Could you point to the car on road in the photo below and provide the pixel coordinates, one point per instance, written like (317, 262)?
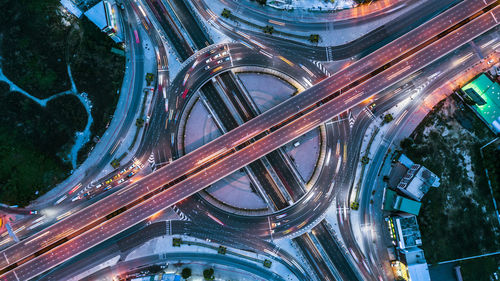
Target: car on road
(219, 61)
(280, 216)
(207, 67)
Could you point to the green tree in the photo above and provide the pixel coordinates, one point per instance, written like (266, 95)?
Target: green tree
(226, 13)
(364, 160)
(268, 29)
(139, 122)
(208, 274)
(186, 273)
(388, 118)
(314, 38)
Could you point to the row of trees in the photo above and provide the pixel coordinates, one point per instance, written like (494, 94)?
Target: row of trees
(268, 29)
(208, 273)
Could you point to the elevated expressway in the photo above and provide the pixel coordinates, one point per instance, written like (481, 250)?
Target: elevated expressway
(221, 157)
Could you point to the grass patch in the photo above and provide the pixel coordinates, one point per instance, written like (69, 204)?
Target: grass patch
(461, 208)
(38, 40)
(25, 169)
(34, 142)
(33, 46)
(97, 71)
(480, 269)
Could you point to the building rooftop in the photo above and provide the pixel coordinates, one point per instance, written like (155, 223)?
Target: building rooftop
(487, 92)
(72, 8)
(407, 205)
(417, 181)
(407, 232)
(419, 272)
(395, 202)
(97, 15)
(403, 159)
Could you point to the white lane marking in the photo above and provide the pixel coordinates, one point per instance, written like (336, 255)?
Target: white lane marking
(15, 274)
(494, 17)
(8, 262)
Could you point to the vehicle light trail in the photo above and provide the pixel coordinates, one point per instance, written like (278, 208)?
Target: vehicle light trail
(177, 180)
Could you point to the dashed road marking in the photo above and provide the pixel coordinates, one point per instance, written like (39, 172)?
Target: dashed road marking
(8, 262)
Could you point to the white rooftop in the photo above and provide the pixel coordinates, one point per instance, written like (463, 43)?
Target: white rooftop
(419, 272)
(71, 7)
(97, 15)
(421, 183)
(403, 159)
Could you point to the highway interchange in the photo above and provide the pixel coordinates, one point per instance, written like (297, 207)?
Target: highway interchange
(321, 98)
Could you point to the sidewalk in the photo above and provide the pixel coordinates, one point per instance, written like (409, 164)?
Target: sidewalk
(331, 34)
(164, 244)
(149, 66)
(326, 16)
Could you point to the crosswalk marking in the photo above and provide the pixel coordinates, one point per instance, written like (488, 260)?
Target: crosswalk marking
(329, 53)
(169, 228)
(179, 213)
(151, 159)
(369, 112)
(322, 68)
(351, 119)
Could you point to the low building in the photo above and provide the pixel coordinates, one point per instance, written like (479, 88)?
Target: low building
(72, 8)
(405, 161)
(416, 264)
(417, 181)
(397, 203)
(404, 231)
(410, 263)
(482, 94)
(103, 14)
